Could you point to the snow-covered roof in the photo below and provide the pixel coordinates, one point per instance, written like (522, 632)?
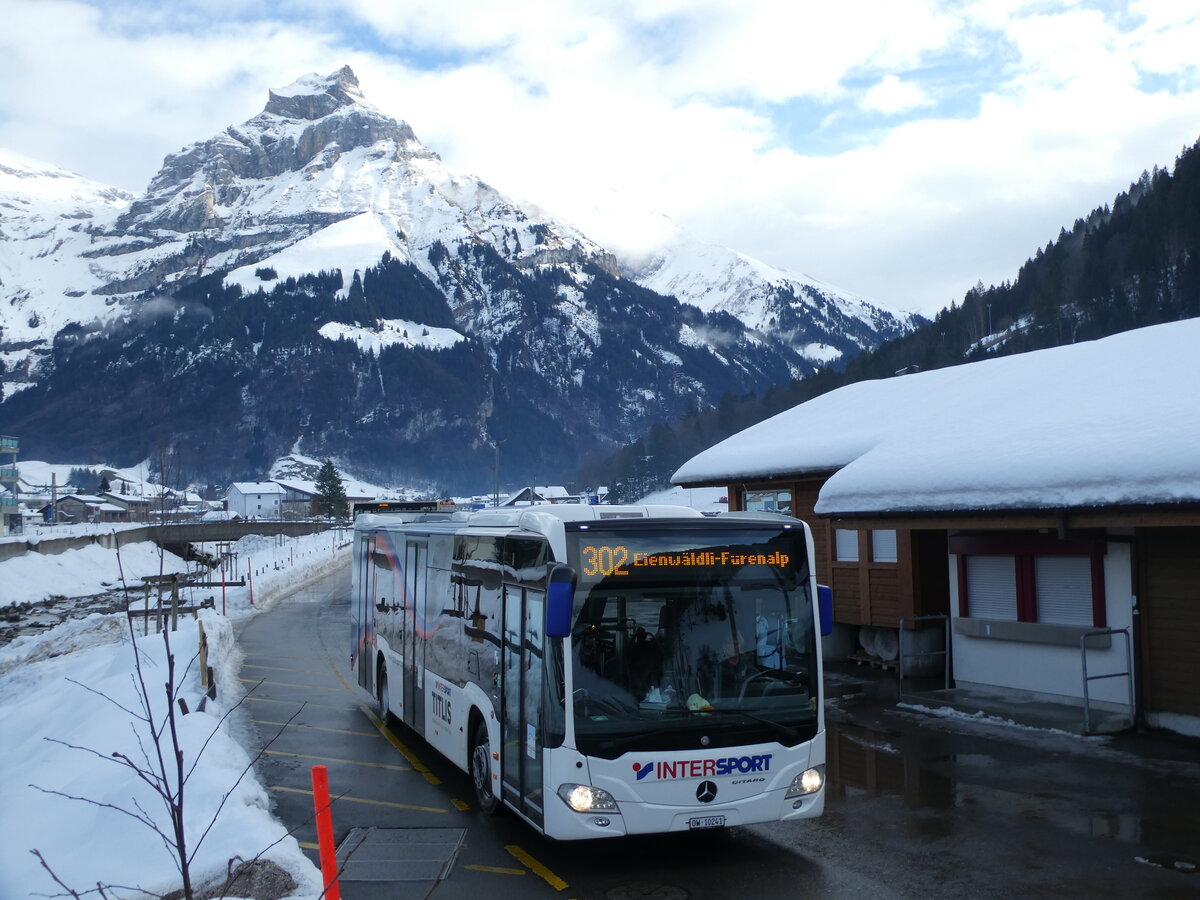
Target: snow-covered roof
(1108, 422)
(256, 487)
(354, 490)
(98, 504)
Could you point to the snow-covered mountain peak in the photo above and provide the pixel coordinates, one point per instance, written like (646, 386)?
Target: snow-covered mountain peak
(314, 97)
(320, 249)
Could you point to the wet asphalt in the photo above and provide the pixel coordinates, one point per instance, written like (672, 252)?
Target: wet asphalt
(918, 806)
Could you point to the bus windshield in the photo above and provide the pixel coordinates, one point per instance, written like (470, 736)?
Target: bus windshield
(697, 634)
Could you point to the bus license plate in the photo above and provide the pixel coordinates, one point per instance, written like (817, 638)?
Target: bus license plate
(707, 822)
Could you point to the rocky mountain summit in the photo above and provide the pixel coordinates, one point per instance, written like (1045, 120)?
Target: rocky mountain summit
(316, 277)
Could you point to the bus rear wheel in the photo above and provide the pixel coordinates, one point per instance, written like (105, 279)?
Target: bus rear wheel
(481, 769)
(384, 715)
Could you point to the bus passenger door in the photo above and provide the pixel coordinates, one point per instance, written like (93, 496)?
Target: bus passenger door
(363, 652)
(522, 739)
(413, 641)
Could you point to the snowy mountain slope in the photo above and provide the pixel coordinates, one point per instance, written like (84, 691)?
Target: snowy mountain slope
(322, 279)
(765, 298)
(48, 218)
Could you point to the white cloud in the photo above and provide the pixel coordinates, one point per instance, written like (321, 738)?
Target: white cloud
(890, 95)
(756, 124)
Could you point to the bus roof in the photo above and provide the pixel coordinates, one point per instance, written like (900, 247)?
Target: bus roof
(548, 519)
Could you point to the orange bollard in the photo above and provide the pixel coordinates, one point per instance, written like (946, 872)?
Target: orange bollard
(329, 871)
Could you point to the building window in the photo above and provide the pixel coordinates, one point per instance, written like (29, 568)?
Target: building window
(883, 546)
(1031, 580)
(846, 545)
(1064, 589)
(992, 587)
(769, 501)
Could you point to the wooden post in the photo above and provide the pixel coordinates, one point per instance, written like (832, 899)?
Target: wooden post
(203, 655)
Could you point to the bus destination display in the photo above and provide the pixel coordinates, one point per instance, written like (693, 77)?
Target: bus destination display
(605, 560)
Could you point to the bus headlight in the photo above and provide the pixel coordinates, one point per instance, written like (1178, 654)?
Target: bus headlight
(585, 798)
(807, 782)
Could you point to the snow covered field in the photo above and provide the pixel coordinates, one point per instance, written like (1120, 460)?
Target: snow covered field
(34, 577)
(74, 685)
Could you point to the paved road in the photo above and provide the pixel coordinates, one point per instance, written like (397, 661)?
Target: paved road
(917, 807)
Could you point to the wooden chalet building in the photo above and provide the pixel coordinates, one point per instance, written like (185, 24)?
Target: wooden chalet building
(1041, 502)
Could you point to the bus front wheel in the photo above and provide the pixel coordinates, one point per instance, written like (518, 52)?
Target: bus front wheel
(481, 768)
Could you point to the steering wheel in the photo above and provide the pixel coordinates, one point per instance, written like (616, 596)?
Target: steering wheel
(792, 678)
(584, 696)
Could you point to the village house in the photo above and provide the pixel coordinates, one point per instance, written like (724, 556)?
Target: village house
(137, 507)
(85, 508)
(539, 494)
(255, 499)
(1046, 504)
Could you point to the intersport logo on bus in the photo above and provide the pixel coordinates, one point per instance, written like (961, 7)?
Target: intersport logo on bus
(702, 768)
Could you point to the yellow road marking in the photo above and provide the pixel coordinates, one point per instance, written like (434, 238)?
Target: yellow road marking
(404, 751)
(311, 687)
(536, 867)
(316, 728)
(338, 759)
(386, 732)
(296, 703)
(272, 668)
(305, 845)
(348, 799)
(497, 870)
(460, 805)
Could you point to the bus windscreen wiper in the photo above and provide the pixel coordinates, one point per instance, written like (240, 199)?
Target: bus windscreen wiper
(618, 743)
(787, 731)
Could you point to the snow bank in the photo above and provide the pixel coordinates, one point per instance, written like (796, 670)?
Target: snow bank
(77, 698)
(53, 690)
(33, 577)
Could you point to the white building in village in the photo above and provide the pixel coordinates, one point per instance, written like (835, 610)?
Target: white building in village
(255, 499)
(1032, 500)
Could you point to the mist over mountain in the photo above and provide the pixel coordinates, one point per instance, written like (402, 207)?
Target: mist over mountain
(1127, 264)
(315, 279)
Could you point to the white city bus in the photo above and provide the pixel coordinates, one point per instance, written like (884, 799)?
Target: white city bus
(602, 670)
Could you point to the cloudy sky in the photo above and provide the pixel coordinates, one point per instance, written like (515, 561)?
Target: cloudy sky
(901, 149)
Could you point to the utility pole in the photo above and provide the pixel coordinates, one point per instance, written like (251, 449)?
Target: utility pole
(496, 476)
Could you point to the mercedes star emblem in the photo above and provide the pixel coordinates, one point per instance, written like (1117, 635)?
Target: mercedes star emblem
(707, 792)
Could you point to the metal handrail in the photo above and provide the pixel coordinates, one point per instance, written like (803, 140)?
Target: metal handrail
(1127, 674)
(945, 652)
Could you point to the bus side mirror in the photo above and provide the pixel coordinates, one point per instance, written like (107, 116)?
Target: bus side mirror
(825, 606)
(560, 597)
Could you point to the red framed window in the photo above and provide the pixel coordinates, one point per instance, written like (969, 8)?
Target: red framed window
(1031, 579)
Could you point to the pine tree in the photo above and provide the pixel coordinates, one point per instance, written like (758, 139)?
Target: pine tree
(331, 494)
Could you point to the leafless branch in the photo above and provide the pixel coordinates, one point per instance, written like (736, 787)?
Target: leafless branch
(101, 694)
(226, 715)
(147, 822)
(250, 765)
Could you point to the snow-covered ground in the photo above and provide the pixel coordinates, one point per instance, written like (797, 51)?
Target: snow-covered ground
(74, 685)
(33, 577)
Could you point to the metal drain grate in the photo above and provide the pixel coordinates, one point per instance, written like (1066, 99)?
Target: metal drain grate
(399, 854)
